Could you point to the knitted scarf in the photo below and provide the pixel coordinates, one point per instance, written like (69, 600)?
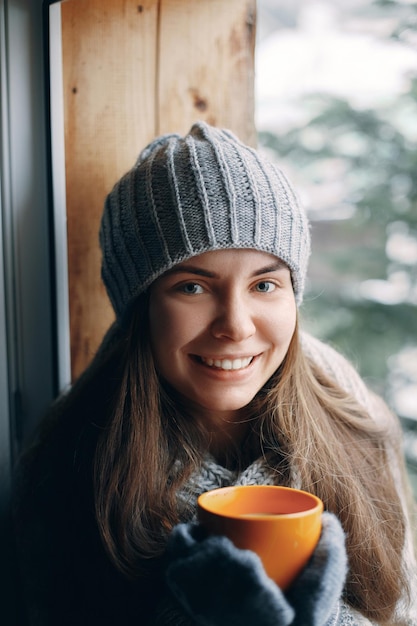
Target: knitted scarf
(212, 476)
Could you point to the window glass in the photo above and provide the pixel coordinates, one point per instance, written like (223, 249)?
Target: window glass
(336, 105)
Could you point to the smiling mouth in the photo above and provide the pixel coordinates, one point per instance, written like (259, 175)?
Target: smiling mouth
(227, 364)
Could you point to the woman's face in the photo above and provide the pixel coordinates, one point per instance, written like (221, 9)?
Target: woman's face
(220, 326)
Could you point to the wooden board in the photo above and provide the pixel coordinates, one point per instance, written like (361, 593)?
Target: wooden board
(132, 71)
(206, 65)
(109, 60)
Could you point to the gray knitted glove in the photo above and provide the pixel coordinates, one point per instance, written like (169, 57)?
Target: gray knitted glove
(219, 585)
(316, 592)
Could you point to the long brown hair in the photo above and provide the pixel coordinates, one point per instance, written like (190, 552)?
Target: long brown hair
(303, 422)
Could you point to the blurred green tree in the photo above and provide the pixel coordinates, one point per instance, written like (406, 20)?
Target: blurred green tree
(362, 291)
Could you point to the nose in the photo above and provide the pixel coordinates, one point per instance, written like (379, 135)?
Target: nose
(234, 320)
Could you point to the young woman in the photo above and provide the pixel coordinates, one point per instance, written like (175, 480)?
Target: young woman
(205, 380)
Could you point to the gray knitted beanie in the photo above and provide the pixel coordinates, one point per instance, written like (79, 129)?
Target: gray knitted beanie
(188, 195)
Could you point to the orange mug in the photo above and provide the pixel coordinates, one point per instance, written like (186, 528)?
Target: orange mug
(282, 525)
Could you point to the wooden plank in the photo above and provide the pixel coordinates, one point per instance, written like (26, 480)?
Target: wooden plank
(206, 65)
(109, 61)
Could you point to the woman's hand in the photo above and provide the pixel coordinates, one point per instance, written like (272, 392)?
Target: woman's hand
(316, 592)
(218, 584)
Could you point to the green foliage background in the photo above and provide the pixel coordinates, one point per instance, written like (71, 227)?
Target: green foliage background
(374, 152)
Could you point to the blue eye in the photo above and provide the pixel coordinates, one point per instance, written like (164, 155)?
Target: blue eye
(265, 286)
(191, 289)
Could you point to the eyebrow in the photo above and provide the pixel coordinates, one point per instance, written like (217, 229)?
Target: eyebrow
(198, 271)
(279, 265)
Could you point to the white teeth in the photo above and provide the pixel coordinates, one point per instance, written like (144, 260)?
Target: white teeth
(228, 364)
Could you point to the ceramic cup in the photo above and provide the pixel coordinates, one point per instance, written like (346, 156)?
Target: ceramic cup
(282, 525)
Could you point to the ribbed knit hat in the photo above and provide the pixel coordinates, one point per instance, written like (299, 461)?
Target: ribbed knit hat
(188, 195)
